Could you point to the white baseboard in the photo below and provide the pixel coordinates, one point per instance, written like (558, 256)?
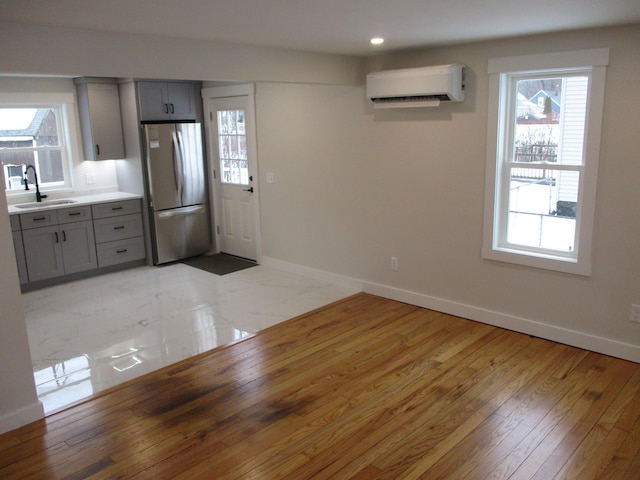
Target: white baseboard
(21, 417)
(574, 338)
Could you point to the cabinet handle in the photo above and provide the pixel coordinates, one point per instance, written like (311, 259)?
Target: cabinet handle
(57, 238)
(73, 214)
(64, 236)
(39, 219)
(116, 208)
(119, 227)
(166, 108)
(172, 110)
(97, 149)
(124, 250)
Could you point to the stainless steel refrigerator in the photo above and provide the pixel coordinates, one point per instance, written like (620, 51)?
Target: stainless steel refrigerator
(177, 190)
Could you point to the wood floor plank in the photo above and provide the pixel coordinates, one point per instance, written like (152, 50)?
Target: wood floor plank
(364, 388)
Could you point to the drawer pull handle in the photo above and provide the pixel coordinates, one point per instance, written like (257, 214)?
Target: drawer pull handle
(39, 219)
(73, 214)
(124, 250)
(119, 228)
(116, 208)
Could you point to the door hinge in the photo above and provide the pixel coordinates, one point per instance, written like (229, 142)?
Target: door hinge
(218, 229)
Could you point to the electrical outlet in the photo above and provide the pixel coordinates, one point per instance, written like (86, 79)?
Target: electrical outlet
(394, 264)
(635, 313)
(91, 178)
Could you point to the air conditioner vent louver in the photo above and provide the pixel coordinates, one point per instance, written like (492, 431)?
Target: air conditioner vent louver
(416, 87)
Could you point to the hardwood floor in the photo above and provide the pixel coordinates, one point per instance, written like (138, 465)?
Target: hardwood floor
(365, 388)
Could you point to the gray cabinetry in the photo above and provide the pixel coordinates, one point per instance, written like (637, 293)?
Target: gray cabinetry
(119, 232)
(18, 247)
(161, 101)
(99, 109)
(56, 244)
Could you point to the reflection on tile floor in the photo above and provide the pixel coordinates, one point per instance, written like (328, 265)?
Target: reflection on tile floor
(89, 335)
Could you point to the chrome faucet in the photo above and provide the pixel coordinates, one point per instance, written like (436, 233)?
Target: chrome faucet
(39, 196)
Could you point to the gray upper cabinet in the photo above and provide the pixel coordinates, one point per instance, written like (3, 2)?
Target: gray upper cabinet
(100, 120)
(168, 101)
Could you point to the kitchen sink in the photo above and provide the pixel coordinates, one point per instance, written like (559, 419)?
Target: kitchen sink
(46, 203)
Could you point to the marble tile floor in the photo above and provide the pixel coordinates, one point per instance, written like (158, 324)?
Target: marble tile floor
(92, 334)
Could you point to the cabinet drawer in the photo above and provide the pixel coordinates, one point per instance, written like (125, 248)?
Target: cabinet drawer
(38, 219)
(74, 214)
(118, 228)
(113, 209)
(120, 251)
(15, 223)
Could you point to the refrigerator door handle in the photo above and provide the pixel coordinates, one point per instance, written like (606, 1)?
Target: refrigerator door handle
(183, 174)
(177, 163)
(180, 211)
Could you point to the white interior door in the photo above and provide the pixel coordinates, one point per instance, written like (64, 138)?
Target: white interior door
(234, 172)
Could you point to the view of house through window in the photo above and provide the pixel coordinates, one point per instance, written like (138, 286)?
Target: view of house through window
(31, 136)
(544, 163)
(232, 143)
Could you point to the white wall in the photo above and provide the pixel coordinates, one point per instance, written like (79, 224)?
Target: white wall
(18, 401)
(355, 187)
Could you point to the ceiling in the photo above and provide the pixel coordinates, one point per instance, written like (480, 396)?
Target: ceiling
(327, 26)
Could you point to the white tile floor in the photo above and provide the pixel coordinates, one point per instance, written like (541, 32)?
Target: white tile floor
(89, 335)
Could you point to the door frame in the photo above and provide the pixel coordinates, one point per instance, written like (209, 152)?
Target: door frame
(210, 124)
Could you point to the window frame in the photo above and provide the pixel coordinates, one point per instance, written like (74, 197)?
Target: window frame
(509, 69)
(65, 105)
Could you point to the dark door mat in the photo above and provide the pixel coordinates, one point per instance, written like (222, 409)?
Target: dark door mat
(220, 264)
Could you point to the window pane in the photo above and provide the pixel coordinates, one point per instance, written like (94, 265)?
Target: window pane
(542, 208)
(232, 143)
(35, 132)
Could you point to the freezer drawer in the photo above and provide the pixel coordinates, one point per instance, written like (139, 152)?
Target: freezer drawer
(180, 233)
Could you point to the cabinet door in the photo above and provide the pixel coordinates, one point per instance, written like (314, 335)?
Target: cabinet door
(43, 253)
(78, 247)
(153, 101)
(20, 261)
(106, 123)
(182, 101)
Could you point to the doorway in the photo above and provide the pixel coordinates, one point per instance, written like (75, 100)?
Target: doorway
(233, 170)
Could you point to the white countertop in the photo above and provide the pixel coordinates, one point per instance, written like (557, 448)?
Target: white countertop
(77, 201)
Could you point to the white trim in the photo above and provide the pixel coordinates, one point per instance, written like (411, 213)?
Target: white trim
(536, 328)
(548, 61)
(229, 91)
(20, 417)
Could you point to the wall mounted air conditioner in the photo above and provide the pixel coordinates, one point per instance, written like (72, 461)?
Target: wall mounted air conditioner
(416, 87)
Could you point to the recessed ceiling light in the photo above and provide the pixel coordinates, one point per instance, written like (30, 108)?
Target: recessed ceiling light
(377, 41)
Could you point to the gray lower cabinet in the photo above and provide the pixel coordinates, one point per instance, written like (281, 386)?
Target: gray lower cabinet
(119, 232)
(63, 247)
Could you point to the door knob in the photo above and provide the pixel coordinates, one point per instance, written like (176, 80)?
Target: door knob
(250, 190)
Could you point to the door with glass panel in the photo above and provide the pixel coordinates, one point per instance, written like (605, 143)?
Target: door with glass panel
(234, 175)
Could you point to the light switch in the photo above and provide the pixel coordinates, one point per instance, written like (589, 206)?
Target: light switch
(269, 177)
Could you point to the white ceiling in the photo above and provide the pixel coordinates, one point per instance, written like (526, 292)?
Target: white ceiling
(329, 26)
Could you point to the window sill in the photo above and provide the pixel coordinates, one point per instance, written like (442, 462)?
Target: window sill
(538, 260)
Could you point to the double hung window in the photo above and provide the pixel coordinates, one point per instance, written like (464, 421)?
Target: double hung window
(542, 159)
(34, 134)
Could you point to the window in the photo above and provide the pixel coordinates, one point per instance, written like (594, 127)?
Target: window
(35, 135)
(232, 141)
(542, 159)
